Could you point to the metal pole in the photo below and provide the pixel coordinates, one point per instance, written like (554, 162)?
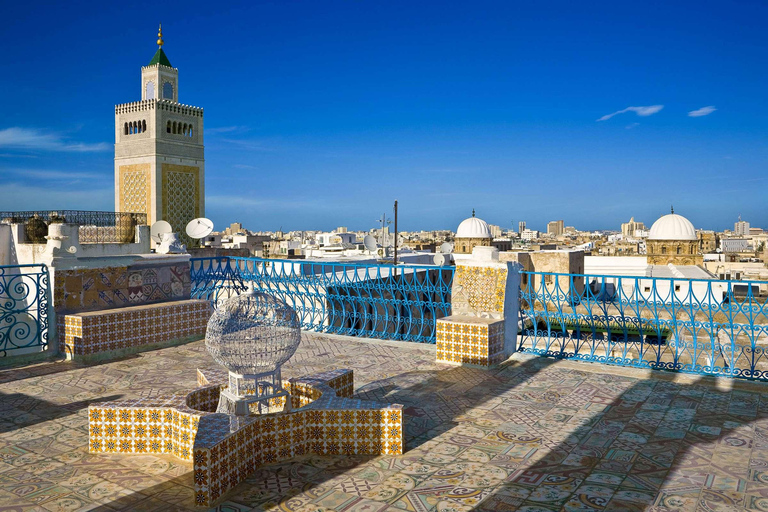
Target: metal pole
(395, 259)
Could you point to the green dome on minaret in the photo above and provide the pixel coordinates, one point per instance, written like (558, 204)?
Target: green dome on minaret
(160, 57)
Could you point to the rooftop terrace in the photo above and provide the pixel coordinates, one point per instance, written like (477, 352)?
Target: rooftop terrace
(534, 434)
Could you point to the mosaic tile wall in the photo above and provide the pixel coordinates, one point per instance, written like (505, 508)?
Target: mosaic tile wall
(470, 340)
(181, 197)
(98, 332)
(115, 287)
(135, 189)
(225, 451)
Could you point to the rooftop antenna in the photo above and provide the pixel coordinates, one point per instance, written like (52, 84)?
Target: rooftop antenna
(199, 228)
(158, 229)
(672, 208)
(370, 243)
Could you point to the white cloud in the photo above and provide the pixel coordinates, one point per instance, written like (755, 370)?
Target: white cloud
(641, 111)
(703, 111)
(225, 129)
(25, 138)
(49, 174)
(631, 125)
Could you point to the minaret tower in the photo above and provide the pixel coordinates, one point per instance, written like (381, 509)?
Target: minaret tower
(159, 161)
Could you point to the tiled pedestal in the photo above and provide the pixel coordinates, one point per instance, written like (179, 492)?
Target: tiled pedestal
(225, 450)
(114, 332)
(465, 339)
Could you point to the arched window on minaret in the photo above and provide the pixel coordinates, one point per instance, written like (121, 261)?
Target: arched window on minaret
(150, 90)
(167, 91)
(168, 127)
(144, 125)
(190, 130)
(125, 127)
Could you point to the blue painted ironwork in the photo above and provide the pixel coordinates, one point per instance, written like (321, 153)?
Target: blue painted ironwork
(394, 302)
(23, 309)
(687, 325)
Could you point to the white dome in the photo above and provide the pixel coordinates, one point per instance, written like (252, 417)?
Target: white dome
(672, 227)
(473, 228)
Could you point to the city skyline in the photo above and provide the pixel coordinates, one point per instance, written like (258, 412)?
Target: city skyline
(319, 116)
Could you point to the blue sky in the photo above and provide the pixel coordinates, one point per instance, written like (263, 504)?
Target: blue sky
(320, 114)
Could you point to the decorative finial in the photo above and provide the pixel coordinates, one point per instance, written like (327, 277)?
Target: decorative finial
(160, 36)
(672, 208)
(473, 212)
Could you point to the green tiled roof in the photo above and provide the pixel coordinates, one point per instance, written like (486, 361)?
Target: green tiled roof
(160, 58)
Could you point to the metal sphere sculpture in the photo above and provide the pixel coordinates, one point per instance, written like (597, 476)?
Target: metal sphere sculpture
(252, 335)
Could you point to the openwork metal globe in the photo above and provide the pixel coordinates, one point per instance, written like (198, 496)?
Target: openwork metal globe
(252, 335)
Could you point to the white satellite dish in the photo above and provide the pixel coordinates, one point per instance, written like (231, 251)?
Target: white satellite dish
(158, 229)
(439, 259)
(370, 243)
(446, 248)
(199, 228)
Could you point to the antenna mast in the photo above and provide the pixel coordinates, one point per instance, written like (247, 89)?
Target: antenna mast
(395, 258)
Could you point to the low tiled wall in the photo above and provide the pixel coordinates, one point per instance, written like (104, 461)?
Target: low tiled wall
(92, 289)
(225, 450)
(470, 340)
(116, 331)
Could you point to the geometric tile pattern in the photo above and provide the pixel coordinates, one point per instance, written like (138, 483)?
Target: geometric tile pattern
(135, 189)
(481, 289)
(181, 197)
(468, 335)
(115, 330)
(224, 451)
(470, 340)
(530, 435)
(81, 290)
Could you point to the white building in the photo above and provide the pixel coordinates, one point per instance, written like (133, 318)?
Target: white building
(734, 244)
(529, 235)
(741, 227)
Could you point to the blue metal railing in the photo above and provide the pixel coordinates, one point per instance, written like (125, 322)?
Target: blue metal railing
(23, 309)
(378, 301)
(688, 325)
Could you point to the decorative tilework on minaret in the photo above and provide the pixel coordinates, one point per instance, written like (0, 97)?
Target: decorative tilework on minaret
(159, 151)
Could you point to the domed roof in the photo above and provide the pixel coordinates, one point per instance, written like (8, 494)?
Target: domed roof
(672, 227)
(473, 228)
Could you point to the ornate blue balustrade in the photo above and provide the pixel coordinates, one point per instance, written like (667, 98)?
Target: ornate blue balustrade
(23, 309)
(688, 325)
(378, 301)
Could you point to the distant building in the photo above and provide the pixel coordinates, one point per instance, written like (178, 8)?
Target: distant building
(159, 157)
(628, 228)
(707, 242)
(472, 232)
(734, 244)
(673, 240)
(741, 227)
(529, 235)
(556, 228)
(495, 230)
(521, 227)
(341, 229)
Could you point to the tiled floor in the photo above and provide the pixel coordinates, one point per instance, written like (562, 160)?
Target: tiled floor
(532, 435)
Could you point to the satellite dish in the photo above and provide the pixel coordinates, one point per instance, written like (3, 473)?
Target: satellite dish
(370, 243)
(439, 259)
(446, 248)
(199, 228)
(159, 229)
